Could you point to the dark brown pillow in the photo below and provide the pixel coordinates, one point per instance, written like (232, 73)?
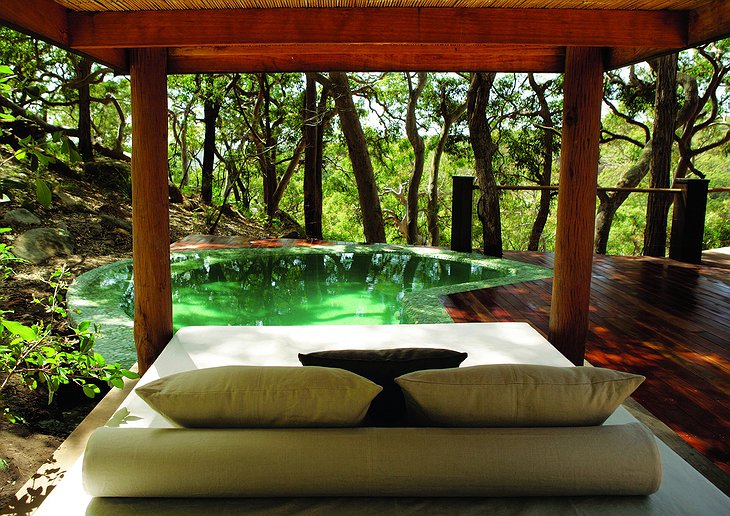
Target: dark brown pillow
(383, 366)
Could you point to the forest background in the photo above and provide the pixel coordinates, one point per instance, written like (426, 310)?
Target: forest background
(369, 157)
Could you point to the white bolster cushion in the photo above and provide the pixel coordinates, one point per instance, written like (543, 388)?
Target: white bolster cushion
(571, 461)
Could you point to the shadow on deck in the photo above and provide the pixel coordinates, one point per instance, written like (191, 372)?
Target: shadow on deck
(667, 320)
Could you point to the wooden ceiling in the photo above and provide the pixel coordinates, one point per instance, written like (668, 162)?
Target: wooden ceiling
(370, 35)
(161, 5)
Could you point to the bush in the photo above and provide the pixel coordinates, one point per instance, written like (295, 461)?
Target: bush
(39, 357)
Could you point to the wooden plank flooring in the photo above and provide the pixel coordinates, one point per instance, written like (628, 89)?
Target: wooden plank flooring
(666, 320)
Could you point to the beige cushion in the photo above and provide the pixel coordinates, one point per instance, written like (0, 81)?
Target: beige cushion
(255, 396)
(170, 462)
(516, 395)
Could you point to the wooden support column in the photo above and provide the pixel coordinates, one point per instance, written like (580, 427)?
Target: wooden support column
(150, 211)
(583, 92)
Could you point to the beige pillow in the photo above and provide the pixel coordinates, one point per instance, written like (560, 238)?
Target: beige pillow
(516, 395)
(256, 396)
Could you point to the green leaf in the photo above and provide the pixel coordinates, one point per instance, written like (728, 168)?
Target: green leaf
(129, 374)
(74, 156)
(43, 192)
(91, 390)
(117, 382)
(6, 70)
(83, 326)
(22, 331)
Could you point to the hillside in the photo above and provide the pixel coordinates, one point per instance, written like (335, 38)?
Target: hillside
(89, 221)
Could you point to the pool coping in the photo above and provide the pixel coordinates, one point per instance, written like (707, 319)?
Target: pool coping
(420, 307)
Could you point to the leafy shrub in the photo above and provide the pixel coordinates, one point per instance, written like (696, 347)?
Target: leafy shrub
(38, 356)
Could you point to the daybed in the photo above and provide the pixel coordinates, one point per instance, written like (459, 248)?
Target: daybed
(140, 454)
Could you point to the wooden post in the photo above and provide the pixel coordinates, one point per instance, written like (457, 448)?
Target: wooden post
(462, 208)
(688, 221)
(583, 92)
(150, 212)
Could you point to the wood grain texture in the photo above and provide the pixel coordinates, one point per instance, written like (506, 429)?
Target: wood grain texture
(667, 320)
(583, 92)
(620, 57)
(366, 57)
(150, 210)
(562, 27)
(25, 15)
(52, 26)
(136, 5)
(709, 22)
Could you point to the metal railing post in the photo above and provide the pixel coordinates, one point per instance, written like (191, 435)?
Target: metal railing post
(461, 213)
(688, 220)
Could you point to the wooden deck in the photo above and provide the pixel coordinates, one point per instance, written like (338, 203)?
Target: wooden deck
(664, 319)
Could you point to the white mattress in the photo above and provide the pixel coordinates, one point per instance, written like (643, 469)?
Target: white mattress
(684, 491)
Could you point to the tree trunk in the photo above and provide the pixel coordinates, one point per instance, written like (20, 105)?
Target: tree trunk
(548, 148)
(86, 148)
(610, 203)
(480, 135)
(286, 177)
(657, 209)
(266, 146)
(362, 167)
(184, 158)
(432, 209)
(419, 155)
(312, 173)
(210, 117)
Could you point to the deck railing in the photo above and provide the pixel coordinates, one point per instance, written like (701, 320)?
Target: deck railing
(688, 219)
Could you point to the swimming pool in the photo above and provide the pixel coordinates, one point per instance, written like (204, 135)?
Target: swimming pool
(328, 284)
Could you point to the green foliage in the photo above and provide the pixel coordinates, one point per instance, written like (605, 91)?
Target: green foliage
(41, 358)
(256, 130)
(6, 258)
(33, 153)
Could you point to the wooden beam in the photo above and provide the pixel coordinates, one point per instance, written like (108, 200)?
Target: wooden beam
(583, 91)
(709, 22)
(342, 26)
(366, 57)
(620, 57)
(150, 210)
(47, 20)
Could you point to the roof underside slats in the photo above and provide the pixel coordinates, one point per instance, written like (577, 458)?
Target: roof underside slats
(153, 5)
(203, 36)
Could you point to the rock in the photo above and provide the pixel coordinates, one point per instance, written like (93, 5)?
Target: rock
(176, 196)
(115, 222)
(114, 210)
(95, 227)
(69, 201)
(40, 244)
(116, 175)
(21, 216)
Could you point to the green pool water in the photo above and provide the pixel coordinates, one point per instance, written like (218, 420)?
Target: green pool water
(274, 289)
(336, 284)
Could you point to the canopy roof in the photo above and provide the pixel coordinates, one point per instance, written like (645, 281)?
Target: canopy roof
(361, 35)
(146, 5)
